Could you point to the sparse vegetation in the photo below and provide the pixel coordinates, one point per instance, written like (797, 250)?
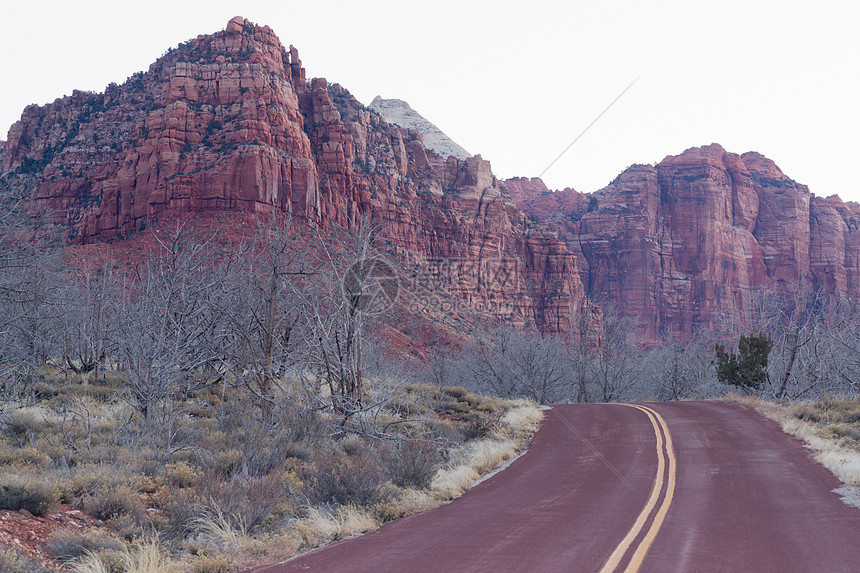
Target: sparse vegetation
(221, 500)
(828, 427)
(221, 408)
(216, 392)
(13, 562)
(412, 463)
(27, 491)
(321, 526)
(65, 545)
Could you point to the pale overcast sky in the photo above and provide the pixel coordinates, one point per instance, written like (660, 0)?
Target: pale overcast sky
(516, 81)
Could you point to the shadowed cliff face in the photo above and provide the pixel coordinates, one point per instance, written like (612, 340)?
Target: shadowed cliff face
(678, 244)
(227, 123)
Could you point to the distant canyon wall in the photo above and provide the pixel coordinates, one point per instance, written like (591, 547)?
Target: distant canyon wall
(228, 123)
(676, 245)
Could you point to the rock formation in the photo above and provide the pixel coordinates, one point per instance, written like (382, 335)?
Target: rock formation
(400, 113)
(677, 245)
(228, 123)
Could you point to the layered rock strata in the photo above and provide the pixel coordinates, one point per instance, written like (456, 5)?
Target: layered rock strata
(683, 244)
(228, 123)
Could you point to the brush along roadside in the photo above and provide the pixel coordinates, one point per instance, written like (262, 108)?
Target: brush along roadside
(830, 429)
(218, 484)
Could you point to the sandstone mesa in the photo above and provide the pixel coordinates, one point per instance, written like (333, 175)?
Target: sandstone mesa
(228, 123)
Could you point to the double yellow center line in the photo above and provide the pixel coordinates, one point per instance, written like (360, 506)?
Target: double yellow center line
(666, 474)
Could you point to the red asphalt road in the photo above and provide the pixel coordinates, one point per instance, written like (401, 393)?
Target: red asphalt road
(748, 498)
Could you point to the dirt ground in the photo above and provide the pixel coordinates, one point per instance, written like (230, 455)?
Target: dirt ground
(28, 534)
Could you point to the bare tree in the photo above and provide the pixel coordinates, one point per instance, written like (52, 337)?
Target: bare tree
(800, 364)
(583, 342)
(678, 371)
(160, 344)
(30, 257)
(614, 367)
(349, 287)
(260, 286)
(842, 339)
(87, 315)
(523, 364)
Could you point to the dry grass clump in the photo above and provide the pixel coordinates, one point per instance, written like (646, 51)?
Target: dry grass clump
(206, 564)
(66, 544)
(227, 483)
(844, 465)
(410, 501)
(470, 462)
(26, 491)
(322, 525)
(822, 426)
(454, 481)
(478, 457)
(487, 454)
(221, 543)
(13, 562)
(33, 419)
(144, 557)
(212, 564)
(829, 411)
(225, 532)
(406, 501)
(522, 419)
(248, 502)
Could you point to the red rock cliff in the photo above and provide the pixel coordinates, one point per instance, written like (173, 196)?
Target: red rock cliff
(676, 245)
(228, 123)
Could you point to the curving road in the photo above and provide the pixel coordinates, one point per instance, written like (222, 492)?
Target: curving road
(683, 486)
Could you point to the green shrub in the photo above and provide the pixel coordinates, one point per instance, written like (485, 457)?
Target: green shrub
(748, 368)
(23, 491)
